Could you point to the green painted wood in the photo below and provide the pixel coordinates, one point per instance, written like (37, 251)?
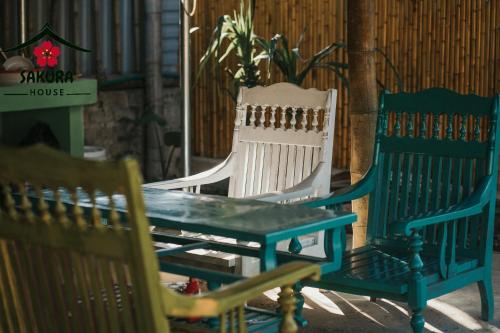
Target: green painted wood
(13, 98)
(63, 113)
(434, 147)
(247, 220)
(432, 202)
(438, 101)
(64, 271)
(394, 195)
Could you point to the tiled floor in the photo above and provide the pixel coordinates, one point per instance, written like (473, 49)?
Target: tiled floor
(330, 312)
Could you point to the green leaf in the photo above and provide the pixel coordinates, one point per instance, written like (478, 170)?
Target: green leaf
(399, 81)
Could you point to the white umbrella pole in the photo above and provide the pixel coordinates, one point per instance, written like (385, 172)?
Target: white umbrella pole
(186, 86)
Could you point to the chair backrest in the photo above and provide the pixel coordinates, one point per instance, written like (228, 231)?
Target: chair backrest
(430, 153)
(63, 269)
(282, 132)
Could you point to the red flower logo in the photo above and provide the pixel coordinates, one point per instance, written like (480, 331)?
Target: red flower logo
(46, 54)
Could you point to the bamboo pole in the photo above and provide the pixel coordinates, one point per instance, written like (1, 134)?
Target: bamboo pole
(447, 43)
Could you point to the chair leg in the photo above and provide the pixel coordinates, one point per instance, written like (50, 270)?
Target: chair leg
(417, 299)
(287, 304)
(295, 247)
(417, 321)
(301, 321)
(213, 321)
(487, 303)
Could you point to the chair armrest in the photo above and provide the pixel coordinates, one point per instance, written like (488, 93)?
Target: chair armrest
(237, 294)
(307, 187)
(471, 206)
(346, 194)
(213, 175)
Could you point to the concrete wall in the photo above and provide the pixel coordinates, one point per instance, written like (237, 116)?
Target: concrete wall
(112, 122)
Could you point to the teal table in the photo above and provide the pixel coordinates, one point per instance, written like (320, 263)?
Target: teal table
(244, 220)
(59, 105)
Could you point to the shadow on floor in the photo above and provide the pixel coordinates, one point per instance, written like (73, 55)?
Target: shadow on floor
(330, 312)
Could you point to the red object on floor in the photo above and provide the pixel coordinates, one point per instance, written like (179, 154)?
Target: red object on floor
(192, 288)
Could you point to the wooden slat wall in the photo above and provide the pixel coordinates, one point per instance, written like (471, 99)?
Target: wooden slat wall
(447, 43)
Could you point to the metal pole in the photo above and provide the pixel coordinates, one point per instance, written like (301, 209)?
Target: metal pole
(63, 29)
(154, 88)
(85, 36)
(186, 86)
(106, 27)
(22, 20)
(126, 36)
(41, 14)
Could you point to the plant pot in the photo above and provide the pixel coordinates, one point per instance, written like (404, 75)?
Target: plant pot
(94, 153)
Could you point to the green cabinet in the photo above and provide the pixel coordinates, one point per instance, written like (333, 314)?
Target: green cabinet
(59, 105)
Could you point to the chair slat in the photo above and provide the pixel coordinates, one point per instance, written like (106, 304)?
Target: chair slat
(275, 167)
(11, 320)
(26, 318)
(480, 171)
(299, 165)
(308, 157)
(316, 158)
(71, 292)
(82, 284)
(395, 188)
(266, 169)
(405, 185)
(435, 195)
(55, 277)
(109, 283)
(466, 190)
(40, 265)
(416, 189)
(97, 288)
(290, 166)
(282, 171)
(250, 176)
(260, 166)
(384, 193)
(242, 169)
(127, 311)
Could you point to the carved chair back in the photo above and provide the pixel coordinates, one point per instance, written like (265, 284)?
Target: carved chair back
(65, 271)
(282, 133)
(431, 153)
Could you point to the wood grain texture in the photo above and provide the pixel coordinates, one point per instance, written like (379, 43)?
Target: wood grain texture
(62, 270)
(431, 43)
(432, 203)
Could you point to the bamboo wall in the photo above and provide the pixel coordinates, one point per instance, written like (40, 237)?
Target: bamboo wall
(446, 43)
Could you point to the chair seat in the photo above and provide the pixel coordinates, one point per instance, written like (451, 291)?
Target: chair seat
(384, 269)
(257, 321)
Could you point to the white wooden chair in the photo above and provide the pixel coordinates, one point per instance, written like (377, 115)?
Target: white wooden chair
(282, 149)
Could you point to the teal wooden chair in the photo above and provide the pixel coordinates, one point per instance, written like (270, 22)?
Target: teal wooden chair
(64, 271)
(432, 194)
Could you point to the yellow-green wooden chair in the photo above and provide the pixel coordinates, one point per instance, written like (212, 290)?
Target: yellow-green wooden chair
(63, 271)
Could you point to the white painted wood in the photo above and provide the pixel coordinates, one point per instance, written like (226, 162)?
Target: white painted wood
(278, 135)
(284, 160)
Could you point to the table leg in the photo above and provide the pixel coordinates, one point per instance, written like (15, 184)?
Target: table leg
(335, 240)
(213, 321)
(295, 247)
(268, 259)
